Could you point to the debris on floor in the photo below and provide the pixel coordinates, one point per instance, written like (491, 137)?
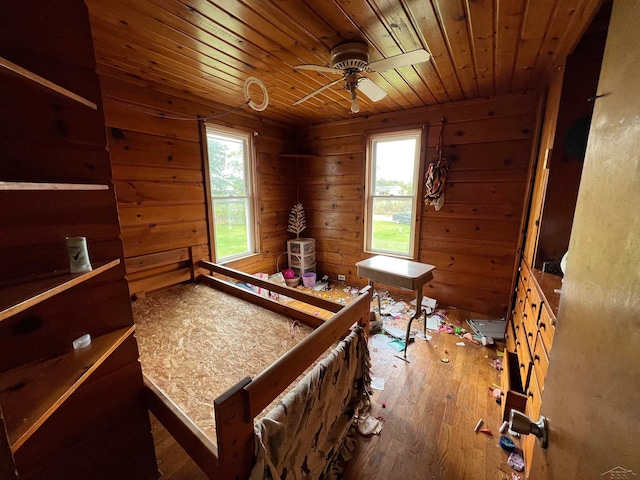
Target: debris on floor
(377, 383)
(516, 461)
(478, 425)
(507, 444)
(493, 329)
(368, 425)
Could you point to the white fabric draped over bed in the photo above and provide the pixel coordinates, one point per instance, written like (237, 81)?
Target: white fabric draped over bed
(303, 434)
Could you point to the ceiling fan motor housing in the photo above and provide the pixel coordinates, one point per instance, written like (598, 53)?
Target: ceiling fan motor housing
(350, 56)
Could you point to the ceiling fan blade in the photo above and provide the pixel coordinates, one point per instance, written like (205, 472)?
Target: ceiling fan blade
(304, 99)
(318, 68)
(371, 90)
(404, 59)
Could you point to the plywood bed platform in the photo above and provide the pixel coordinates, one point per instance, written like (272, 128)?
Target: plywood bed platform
(214, 346)
(196, 342)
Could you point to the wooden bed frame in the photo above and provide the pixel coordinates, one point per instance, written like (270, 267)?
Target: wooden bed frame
(233, 457)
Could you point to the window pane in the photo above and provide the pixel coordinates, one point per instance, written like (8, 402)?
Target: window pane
(392, 225)
(394, 160)
(226, 164)
(232, 198)
(230, 227)
(395, 164)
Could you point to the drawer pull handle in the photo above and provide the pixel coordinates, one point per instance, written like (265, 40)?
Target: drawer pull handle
(533, 305)
(536, 358)
(543, 325)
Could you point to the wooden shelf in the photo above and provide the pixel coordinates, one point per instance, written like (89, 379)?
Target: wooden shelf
(12, 186)
(43, 82)
(18, 297)
(32, 393)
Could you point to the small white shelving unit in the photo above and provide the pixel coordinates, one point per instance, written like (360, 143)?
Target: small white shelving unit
(301, 254)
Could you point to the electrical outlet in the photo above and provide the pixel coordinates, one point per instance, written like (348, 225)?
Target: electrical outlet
(341, 278)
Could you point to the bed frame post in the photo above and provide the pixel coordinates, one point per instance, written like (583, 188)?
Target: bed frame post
(234, 429)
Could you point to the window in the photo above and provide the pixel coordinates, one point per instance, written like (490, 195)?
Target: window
(393, 161)
(231, 188)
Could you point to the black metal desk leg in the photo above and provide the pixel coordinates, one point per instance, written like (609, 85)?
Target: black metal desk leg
(379, 305)
(417, 314)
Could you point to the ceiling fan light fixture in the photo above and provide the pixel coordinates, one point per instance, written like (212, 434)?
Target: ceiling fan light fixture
(355, 106)
(351, 85)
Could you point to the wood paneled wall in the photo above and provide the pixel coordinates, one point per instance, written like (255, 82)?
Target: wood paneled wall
(159, 179)
(473, 240)
(72, 414)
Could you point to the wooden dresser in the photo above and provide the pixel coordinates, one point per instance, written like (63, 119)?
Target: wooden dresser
(529, 340)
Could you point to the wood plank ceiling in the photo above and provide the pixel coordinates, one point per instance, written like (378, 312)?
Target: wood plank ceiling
(207, 49)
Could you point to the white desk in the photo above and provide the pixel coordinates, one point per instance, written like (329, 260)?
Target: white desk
(400, 273)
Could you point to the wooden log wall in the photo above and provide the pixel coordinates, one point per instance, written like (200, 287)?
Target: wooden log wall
(159, 178)
(474, 239)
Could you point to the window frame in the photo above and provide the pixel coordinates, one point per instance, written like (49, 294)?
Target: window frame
(247, 139)
(420, 132)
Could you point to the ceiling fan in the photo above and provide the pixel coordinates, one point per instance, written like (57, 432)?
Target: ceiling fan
(351, 60)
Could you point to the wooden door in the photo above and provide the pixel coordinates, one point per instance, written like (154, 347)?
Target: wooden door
(593, 383)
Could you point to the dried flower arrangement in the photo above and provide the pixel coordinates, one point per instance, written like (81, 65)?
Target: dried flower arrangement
(297, 221)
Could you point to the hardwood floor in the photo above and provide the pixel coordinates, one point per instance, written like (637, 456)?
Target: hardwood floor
(430, 411)
(173, 461)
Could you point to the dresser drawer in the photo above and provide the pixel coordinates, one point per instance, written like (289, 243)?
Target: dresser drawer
(528, 443)
(530, 325)
(510, 337)
(534, 397)
(520, 302)
(546, 329)
(523, 278)
(518, 312)
(513, 394)
(534, 402)
(524, 355)
(533, 295)
(524, 270)
(540, 362)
